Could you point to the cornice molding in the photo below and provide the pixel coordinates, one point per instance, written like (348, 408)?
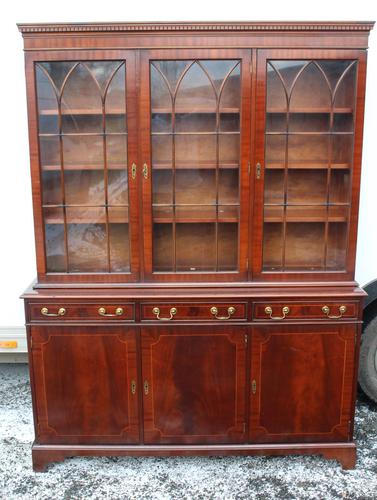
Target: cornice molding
(194, 27)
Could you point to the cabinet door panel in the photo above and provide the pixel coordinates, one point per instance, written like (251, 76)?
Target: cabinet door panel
(86, 135)
(302, 383)
(85, 381)
(194, 384)
(196, 110)
(307, 142)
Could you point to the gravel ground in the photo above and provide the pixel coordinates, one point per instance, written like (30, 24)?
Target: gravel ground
(174, 478)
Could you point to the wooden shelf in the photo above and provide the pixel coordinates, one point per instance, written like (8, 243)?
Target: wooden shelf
(306, 164)
(72, 218)
(89, 166)
(190, 165)
(81, 111)
(198, 220)
(191, 111)
(324, 110)
(336, 213)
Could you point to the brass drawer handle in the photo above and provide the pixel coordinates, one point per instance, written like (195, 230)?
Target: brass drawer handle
(118, 312)
(173, 311)
(326, 310)
(61, 312)
(285, 311)
(214, 312)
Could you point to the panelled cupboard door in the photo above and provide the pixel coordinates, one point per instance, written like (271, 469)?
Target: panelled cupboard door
(85, 381)
(84, 139)
(194, 384)
(302, 380)
(195, 123)
(309, 121)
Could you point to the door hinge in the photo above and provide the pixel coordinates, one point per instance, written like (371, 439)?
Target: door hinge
(247, 264)
(31, 342)
(248, 168)
(244, 427)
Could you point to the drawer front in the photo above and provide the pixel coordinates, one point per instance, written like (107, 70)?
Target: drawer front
(60, 311)
(209, 311)
(304, 310)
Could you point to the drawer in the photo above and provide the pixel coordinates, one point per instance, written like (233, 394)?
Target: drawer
(304, 310)
(205, 311)
(60, 311)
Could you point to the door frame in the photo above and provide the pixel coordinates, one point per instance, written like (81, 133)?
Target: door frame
(245, 156)
(40, 336)
(256, 250)
(237, 335)
(348, 334)
(130, 59)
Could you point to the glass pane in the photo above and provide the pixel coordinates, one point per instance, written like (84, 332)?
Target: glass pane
(49, 152)
(162, 247)
(305, 245)
(51, 187)
(81, 151)
(273, 245)
(228, 245)
(196, 247)
(54, 239)
(48, 115)
(307, 186)
(116, 151)
(308, 160)
(83, 154)
(81, 103)
(84, 187)
(119, 240)
(336, 246)
(195, 122)
(87, 241)
(117, 187)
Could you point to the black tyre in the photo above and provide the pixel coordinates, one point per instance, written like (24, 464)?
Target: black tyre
(368, 360)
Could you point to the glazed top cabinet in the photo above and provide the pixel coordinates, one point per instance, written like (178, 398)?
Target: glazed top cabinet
(208, 155)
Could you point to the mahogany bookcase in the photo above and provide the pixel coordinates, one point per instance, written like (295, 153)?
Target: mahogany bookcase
(195, 191)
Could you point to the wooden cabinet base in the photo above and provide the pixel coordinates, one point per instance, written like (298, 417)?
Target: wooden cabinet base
(344, 453)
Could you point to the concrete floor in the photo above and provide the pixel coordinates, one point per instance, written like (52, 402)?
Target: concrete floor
(173, 478)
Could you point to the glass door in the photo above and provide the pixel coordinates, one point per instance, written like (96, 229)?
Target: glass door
(309, 127)
(194, 162)
(83, 129)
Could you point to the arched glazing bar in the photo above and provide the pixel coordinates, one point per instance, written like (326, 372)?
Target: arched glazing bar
(83, 144)
(195, 144)
(308, 153)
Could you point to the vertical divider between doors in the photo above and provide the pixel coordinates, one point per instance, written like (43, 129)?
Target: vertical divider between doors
(252, 160)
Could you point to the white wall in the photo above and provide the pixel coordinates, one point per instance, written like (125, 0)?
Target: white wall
(17, 255)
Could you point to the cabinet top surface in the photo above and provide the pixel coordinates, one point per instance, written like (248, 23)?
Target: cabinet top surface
(204, 26)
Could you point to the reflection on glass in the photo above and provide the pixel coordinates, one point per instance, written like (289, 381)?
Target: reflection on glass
(195, 126)
(308, 158)
(83, 154)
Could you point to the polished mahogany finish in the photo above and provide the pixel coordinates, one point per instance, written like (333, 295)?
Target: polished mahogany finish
(195, 194)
